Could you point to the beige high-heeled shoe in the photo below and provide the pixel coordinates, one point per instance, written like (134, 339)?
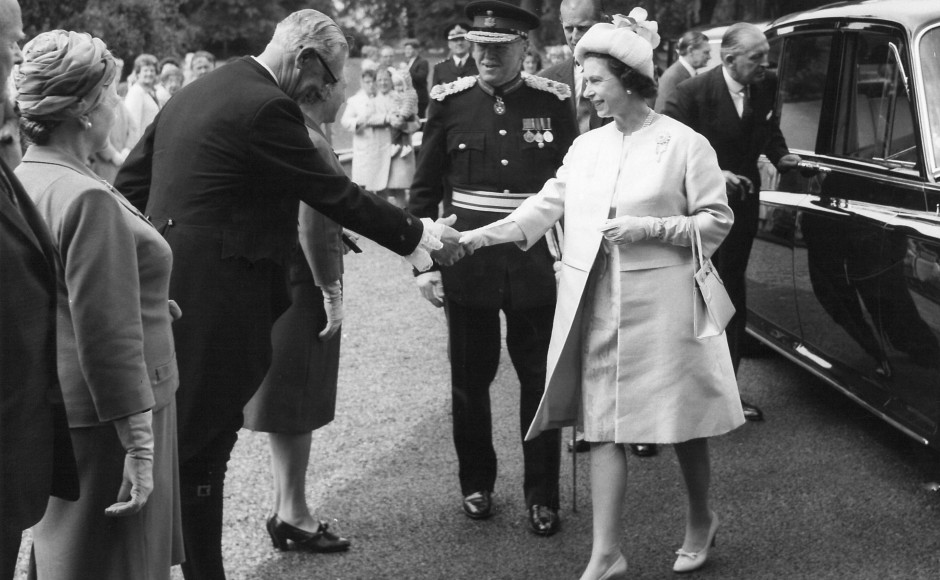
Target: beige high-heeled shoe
(617, 570)
(689, 561)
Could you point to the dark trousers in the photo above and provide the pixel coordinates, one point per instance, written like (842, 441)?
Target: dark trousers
(731, 261)
(202, 479)
(475, 345)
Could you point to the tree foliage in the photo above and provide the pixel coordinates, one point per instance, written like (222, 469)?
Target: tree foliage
(235, 27)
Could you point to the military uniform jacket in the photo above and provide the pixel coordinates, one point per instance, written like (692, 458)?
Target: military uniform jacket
(447, 72)
(468, 145)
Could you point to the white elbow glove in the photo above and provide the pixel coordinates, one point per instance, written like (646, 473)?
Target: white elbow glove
(498, 232)
(628, 229)
(136, 435)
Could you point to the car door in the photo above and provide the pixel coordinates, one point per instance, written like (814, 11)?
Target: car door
(804, 68)
(857, 316)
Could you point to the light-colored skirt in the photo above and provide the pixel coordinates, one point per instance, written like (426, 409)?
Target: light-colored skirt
(76, 541)
(646, 378)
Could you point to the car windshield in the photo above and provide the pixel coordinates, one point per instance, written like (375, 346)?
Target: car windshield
(930, 61)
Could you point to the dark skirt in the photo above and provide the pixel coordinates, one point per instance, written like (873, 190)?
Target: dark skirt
(298, 394)
(75, 540)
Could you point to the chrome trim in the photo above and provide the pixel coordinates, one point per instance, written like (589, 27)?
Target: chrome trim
(833, 383)
(933, 168)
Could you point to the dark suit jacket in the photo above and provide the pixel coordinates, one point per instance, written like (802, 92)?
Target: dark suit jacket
(35, 448)
(668, 82)
(563, 72)
(220, 171)
(704, 104)
(447, 72)
(419, 70)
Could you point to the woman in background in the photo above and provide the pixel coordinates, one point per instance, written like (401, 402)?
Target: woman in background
(298, 394)
(623, 353)
(141, 99)
(532, 63)
(116, 355)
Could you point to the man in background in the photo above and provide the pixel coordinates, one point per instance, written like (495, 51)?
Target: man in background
(694, 52)
(418, 68)
(732, 105)
(460, 62)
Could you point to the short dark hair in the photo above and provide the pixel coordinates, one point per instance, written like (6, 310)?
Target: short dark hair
(630, 78)
(689, 41)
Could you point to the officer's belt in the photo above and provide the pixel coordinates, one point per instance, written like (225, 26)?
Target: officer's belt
(492, 201)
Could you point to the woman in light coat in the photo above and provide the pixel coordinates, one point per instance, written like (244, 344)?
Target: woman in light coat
(366, 115)
(623, 353)
(116, 354)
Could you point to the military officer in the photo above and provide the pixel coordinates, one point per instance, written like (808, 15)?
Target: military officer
(494, 139)
(458, 63)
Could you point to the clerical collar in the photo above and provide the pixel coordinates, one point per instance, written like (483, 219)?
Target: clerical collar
(503, 89)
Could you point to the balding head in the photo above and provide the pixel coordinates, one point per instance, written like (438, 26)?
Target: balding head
(744, 51)
(577, 16)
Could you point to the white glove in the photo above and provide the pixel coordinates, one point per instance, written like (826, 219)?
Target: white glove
(136, 435)
(498, 232)
(557, 268)
(628, 229)
(431, 287)
(333, 304)
(175, 312)
(420, 258)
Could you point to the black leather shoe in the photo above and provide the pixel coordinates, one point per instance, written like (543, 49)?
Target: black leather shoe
(644, 449)
(478, 505)
(580, 445)
(543, 520)
(752, 413)
(320, 541)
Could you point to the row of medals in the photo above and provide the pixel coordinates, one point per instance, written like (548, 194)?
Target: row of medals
(538, 130)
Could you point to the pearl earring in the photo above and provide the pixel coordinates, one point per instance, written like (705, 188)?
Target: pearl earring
(88, 124)
(629, 92)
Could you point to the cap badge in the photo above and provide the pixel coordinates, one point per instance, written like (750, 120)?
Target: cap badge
(489, 21)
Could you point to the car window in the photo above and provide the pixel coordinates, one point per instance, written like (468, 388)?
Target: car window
(930, 61)
(875, 121)
(803, 75)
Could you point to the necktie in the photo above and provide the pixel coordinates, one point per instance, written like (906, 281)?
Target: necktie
(746, 110)
(584, 111)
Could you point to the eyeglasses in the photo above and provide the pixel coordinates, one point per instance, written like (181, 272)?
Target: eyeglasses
(333, 78)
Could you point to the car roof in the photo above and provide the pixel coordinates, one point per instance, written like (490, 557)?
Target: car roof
(912, 14)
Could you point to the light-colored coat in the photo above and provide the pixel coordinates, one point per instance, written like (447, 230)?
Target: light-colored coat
(674, 172)
(372, 143)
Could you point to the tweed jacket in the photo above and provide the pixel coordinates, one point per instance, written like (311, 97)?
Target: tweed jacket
(675, 173)
(115, 345)
(35, 449)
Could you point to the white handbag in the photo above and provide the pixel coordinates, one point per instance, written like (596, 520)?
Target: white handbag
(711, 306)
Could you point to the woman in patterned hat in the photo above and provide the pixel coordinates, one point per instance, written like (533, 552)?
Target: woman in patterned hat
(116, 355)
(623, 353)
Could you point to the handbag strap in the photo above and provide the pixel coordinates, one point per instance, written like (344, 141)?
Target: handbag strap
(698, 257)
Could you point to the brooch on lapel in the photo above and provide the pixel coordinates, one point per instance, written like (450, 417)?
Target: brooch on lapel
(662, 142)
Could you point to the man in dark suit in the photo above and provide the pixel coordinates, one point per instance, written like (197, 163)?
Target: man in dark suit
(732, 105)
(577, 16)
(419, 69)
(220, 171)
(36, 458)
(460, 62)
(694, 51)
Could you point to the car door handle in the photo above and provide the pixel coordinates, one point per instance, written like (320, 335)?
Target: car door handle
(810, 168)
